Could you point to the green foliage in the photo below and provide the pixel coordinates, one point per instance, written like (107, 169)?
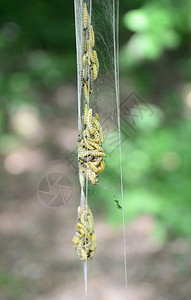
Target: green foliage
(157, 173)
(157, 27)
(37, 52)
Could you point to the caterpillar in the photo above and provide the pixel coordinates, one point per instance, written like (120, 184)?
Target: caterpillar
(92, 39)
(87, 92)
(95, 59)
(95, 72)
(96, 146)
(102, 166)
(93, 153)
(85, 16)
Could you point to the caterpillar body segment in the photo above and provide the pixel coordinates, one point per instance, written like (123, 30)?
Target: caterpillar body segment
(97, 161)
(89, 121)
(84, 40)
(85, 114)
(102, 166)
(95, 138)
(96, 146)
(85, 16)
(92, 176)
(95, 72)
(85, 72)
(87, 92)
(94, 153)
(95, 59)
(92, 38)
(94, 168)
(86, 222)
(88, 146)
(97, 124)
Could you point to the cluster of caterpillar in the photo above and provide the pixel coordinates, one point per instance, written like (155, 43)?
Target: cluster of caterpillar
(90, 63)
(85, 239)
(91, 153)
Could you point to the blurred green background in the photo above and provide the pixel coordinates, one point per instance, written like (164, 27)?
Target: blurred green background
(38, 128)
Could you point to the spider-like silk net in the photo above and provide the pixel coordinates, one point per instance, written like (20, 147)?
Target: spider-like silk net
(105, 98)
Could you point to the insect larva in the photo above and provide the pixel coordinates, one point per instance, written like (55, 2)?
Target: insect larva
(77, 225)
(96, 146)
(93, 236)
(83, 254)
(85, 73)
(81, 227)
(82, 78)
(85, 16)
(91, 54)
(85, 223)
(76, 240)
(85, 38)
(96, 153)
(85, 59)
(86, 142)
(80, 250)
(87, 246)
(89, 50)
(89, 147)
(84, 159)
(102, 166)
(84, 171)
(97, 137)
(101, 136)
(95, 59)
(93, 153)
(79, 136)
(81, 177)
(91, 221)
(85, 114)
(94, 168)
(89, 121)
(97, 124)
(86, 92)
(94, 241)
(99, 128)
(92, 39)
(78, 234)
(98, 161)
(92, 176)
(87, 212)
(95, 72)
(91, 78)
